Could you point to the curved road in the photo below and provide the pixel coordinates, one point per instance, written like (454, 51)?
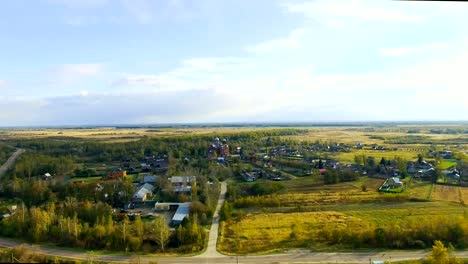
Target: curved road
(212, 256)
(10, 162)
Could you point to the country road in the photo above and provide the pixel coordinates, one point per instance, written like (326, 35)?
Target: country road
(214, 231)
(213, 257)
(10, 162)
(357, 257)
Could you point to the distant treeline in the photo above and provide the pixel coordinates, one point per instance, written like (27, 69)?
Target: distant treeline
(177, 146)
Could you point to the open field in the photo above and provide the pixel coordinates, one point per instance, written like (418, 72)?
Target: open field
(314, 184)
(408, 154)
(115, 135)
(450, 193)
(420, 189)
(258, 232)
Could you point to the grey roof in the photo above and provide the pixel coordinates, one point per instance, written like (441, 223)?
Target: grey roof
(149, 178)
(182, 179)
(145, 189)
(396, 179)
(182, 211)
(182, 189)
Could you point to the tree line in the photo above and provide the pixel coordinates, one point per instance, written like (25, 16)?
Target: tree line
(92, 226)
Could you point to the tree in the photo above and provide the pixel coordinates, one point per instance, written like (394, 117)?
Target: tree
(383, 161)
(161, 232)
(125, 227)
(138, 224)
(320, 164)
(440, 254)
(420, 158)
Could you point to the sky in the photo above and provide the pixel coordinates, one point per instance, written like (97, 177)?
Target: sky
(91, 62)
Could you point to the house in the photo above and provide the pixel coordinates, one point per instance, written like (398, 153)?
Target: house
(446, 154)
(116, 173)
(453, 174)
(143, 193)
(182, 183)
(150, 179)
(182, 211)
(46, 176)
(394, 182)
(248, 177)
(160, 164)
(145, 167)
(157, 163)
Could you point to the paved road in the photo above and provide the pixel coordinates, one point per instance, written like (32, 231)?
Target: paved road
(10, 162)
(278, 258)
(211, 251)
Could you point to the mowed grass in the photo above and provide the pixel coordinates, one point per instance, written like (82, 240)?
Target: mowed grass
(419, 189)
(450, 193)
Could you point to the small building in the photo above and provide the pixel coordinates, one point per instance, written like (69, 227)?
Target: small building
(394, 182)
(150, 179)
(116, 174)
(181, 212)
(143, 193)
(446, 154)
(182, 183)
(248, 177)
(46, 176)
(145, 167)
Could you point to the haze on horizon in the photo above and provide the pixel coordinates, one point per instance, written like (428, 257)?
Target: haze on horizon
(78, 62)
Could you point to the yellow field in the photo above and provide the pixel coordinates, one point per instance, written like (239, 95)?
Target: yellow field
(261, 232)
(120, 135)
(450, 193)
(313, 184)
(420, 189)
(257, 232)
(348, 157)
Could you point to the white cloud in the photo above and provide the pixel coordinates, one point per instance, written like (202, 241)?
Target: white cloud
(294, 40)
(195, 73)
(364, 10)
(70, 73)
(402, 51)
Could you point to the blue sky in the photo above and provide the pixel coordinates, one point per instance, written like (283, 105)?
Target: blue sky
(75, 62)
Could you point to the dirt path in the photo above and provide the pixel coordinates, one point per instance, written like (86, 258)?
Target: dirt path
(11, 161)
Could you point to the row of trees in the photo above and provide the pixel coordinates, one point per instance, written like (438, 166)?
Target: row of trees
(93, 227)
(413, 233)
(33, 164)
(332, 176)
(5, 152)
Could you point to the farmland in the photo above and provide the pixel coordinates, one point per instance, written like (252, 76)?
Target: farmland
(314, 187)
(260, 232)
